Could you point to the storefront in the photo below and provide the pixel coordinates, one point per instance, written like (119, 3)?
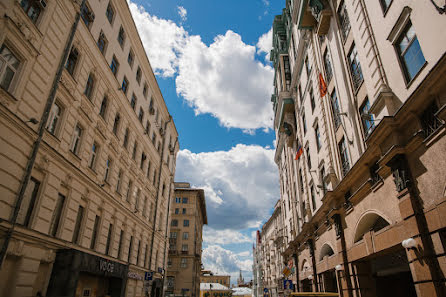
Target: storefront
(78, 274)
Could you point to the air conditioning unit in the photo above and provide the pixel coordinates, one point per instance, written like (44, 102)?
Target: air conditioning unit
(42, 3)
(152, 110)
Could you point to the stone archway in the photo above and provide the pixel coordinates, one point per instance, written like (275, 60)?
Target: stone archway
(326, 250)
(370, 221)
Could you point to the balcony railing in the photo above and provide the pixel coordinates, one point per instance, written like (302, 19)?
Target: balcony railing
(429, 120)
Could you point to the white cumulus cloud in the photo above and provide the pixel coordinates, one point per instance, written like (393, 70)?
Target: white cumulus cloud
(245, 177)
(161, 38)
(182, 12)
(223, 79)
(222, 261)
(226, 236)
(265, 44)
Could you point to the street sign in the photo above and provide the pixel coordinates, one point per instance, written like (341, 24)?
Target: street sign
(286, 271)
(287, 284)
(265, 290)
(160, 269)
(148, 276)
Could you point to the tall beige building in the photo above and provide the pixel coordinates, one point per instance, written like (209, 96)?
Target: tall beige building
(188, 215)
(84, 126)
(208, 277)
(359, 107)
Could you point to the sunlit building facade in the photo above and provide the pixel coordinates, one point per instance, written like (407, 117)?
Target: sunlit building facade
(188, 215)
(359, 107)
(87, 153)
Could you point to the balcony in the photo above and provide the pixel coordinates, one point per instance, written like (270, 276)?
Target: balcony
(314, 14)
(184, 252)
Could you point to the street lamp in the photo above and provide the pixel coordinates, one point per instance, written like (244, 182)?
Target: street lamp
(440, 10)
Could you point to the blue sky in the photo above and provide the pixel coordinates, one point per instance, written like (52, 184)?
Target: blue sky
(210, 59)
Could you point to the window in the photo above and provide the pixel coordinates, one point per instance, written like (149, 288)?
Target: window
(33, 8)
(186, 223)
(148, 169)
(385, 4)
(87, 15)
(177, 200)
(129, 190)
(312, 102)
(367, 118)
(121, 238)
(327, 66)
(129, 254)
(429, 120)
(121, 36)
(114, 65)
(300, 93)
(110, 13)
(173, 234)
(344, 21)
(126, 138)
(355, 67)
(94, 152)
(109, 235)
(145, 254)
(102, 42)
(322, 177)
(77, 226)
(143, 160)
(141, 114)
(28, 202)
(108, 164)
(307, 66)
(184, 210)
(133, 101)
(174, 223)
(116, 124)
(89, 86)
(76, 142)
(304, 123)
(307, 149)
(9, 65)
(335, 109)
(144, 91)
(103, 108)
(94, 234)
(137, 252)
(72, 61)
(119, 181)
(184, 248)
(169, 264)
(301, 181)
(131, 58)
(185, 200)
(55, 220)
(138, 77)
(345, 164)
(317, 133)
(185, 235)
(177, 210)
(125, 85)
(135, 147)
(147, 132)
(410, 53)
(53, 118)
(287, 71)
(313, 197)
(183, 262)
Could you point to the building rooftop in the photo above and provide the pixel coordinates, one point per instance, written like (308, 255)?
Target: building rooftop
(241, 291)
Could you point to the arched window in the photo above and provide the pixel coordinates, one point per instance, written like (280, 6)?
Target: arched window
(369, 222)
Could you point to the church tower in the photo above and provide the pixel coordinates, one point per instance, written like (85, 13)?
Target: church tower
(240, 280)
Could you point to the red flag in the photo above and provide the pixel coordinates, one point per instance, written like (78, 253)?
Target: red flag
(299, 153)
(322, 85)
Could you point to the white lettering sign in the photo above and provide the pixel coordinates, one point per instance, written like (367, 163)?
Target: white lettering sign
(106, 266)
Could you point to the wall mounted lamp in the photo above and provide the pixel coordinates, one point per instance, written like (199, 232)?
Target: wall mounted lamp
(310, 277)
(338, 267)
(409, 243)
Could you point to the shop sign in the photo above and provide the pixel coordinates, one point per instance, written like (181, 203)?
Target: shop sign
(134, 275)
(160, 269)
(106, 266)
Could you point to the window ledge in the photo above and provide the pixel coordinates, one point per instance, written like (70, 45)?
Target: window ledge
(6, 97)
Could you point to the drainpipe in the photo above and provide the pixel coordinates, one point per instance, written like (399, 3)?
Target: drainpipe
(158, 191)
(340, 234)
(40, 131)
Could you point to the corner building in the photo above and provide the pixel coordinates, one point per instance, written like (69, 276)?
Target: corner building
(93, 218)
(188, 215)
(359, 107)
